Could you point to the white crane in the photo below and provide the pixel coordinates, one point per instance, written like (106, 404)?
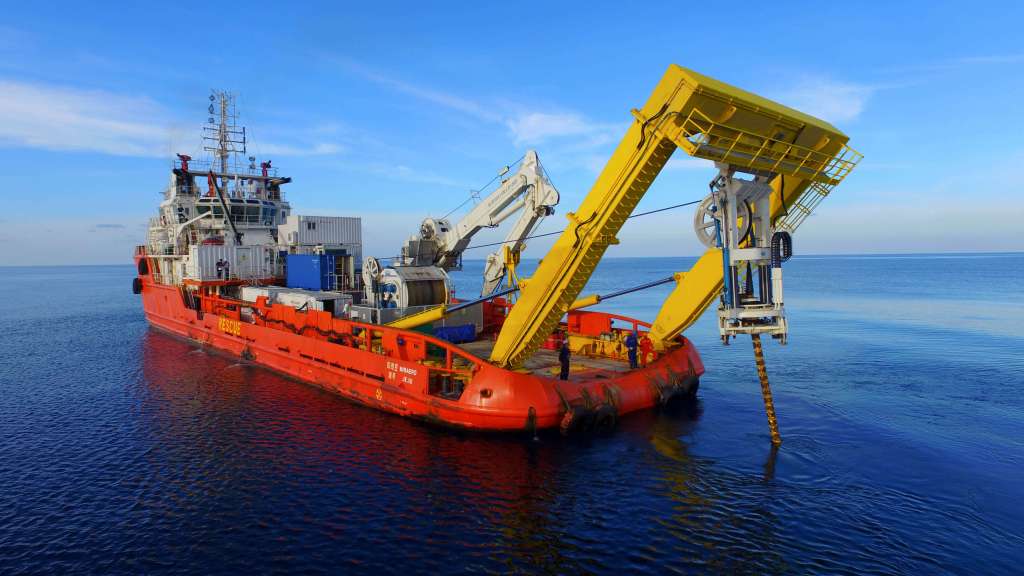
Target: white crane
(441, 244)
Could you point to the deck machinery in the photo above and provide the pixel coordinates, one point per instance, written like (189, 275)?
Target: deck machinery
(799, 157)
(439, 246)
(774, 165)
(793, 160)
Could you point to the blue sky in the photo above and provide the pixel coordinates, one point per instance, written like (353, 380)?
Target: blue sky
(396, 111)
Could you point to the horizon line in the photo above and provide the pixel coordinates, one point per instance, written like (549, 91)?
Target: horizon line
(818, 255)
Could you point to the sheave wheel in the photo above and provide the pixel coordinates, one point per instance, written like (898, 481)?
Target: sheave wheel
(704, 221)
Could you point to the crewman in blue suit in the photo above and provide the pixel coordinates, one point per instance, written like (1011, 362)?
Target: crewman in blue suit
(631, 343)
(563, 359)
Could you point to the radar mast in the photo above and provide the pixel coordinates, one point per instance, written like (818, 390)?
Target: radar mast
(222, 136)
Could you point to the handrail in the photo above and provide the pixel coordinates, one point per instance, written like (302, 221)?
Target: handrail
(706, 139)
(303, 323)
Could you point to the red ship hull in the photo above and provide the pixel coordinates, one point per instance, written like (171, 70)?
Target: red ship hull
(412, 374)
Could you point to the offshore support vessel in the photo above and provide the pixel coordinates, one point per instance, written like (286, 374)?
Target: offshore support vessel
(227, 265)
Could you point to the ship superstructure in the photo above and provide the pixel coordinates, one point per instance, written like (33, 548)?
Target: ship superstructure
(227, 222)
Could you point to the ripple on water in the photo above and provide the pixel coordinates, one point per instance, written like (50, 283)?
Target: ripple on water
(125, 450)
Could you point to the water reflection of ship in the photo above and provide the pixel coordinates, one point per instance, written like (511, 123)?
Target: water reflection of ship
(711, 508)
(220, 430)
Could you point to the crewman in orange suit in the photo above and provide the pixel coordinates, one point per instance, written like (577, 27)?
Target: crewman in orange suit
(646, 348)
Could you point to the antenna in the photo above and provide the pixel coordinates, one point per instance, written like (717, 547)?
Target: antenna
(222, 136)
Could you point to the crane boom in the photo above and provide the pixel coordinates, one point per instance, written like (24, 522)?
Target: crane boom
(419, 277)
(539, 201)
(527, 190)
(803, 156)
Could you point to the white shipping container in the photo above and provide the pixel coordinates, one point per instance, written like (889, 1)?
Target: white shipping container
(244, 262)
(296, 298)
(251, 293)
(326, 230)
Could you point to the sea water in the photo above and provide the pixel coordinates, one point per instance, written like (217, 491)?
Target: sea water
(900, 399)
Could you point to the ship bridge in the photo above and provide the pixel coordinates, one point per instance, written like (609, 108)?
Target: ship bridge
(224, 219)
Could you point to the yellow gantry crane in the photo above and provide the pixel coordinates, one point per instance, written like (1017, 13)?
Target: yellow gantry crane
(794, 161)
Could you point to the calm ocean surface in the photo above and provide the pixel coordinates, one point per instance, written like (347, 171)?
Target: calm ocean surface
(900, 400)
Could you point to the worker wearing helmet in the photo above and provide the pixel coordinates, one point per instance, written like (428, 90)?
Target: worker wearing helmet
(646, 349)
(631, 343)
(563, 358)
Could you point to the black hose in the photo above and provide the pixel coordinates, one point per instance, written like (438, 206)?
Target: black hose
(749, 237)
(576, 231)
(643, 127)
(782, 248)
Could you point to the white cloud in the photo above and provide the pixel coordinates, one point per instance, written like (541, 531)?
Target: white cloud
(428, 181)
(59, 118)
(525, 124)
(62, 118)
(533, 127)
(444, 99)
(827, 99)
(317, 149)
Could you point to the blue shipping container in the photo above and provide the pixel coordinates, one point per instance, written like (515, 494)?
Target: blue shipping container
(310, 271)
(456, 334)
